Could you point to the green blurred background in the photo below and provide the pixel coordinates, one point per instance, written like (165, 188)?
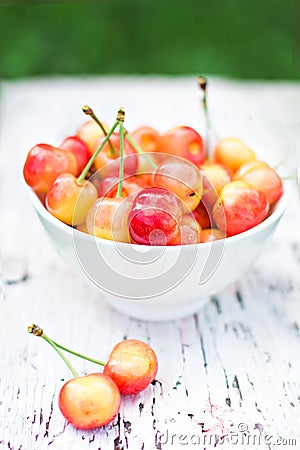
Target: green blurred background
(236, 38)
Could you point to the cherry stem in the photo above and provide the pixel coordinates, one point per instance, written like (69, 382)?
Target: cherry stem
(80, 355)
(90, 163)
(202, 82)
(89, 112)
(37, 331)
(139, 150)
(121, 169)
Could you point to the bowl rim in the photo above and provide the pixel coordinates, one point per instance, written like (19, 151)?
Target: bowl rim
(276, 214)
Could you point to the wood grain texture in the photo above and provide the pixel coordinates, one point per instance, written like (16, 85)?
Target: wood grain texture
(229, 375)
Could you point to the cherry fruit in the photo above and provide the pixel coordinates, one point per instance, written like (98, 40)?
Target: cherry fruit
(240, 207)
(184, 142)
(132, 365)
(69, 201)
(44, 163)
(232, 153)
(182, 178)
(155, 217)
(79, 149)
(90, 401)
(264, 178)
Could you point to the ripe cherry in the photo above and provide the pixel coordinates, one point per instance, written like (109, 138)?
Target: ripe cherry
(147, 139)
(232, 153)
(107, 218)
(264, 178)
(155, 217)
(90, 401)
(184, 142)
(132, 365)
(240, 207)
(79, 149)
(44, 163)
(182, 178)
(69, 201)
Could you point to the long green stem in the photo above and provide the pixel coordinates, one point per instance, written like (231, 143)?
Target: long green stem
(37, 331)
(96, 361)
(45, 337)
(139, 150)
(121, 169)
(90, 163)
(89, 112)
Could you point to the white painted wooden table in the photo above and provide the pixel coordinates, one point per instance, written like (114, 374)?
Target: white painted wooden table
(228, 376)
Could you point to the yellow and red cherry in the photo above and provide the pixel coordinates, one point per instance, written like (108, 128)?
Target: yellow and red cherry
(131, 185)
(211, 234)
(79, 149)
(107, 218)
(184, 142)
(203, 215)
(147, 139)
(108, 162)
(90, 401)
(240, 207)
(215, 177)
(90, 133)
(132, 365)
(264, 178)
(232, 153)
(69, 200)
(190, 230)
(44, 163)
(182, 178)
(155, 217)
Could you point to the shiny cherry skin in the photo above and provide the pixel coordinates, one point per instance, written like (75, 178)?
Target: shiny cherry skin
(183, 179)
(155, 217)
(90, 133)
(240, 207)
(132, 365)
(43, 165)
(264, 178)
(184, 142)
(212, 234)
(108, 163)
(70, 201)
(131, 185)
(232, 153)
(190, 231)
(107, 218)
(147, 139)
(90, 401)
(79, 149)
(215, 177)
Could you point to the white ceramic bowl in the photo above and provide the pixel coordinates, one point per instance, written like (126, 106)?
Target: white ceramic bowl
(158, 283)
